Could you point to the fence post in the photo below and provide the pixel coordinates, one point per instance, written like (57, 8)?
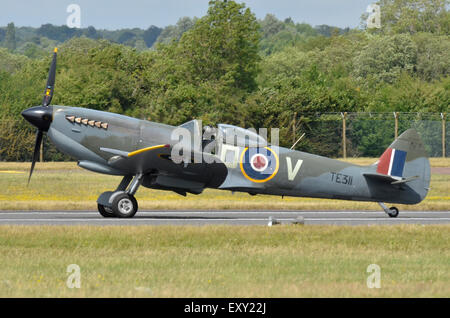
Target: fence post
(396, 124)
(443, 134)
(344, 135)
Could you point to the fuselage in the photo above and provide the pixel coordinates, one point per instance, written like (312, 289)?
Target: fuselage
(293, 173)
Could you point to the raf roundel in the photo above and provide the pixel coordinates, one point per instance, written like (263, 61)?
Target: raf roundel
(259, 164)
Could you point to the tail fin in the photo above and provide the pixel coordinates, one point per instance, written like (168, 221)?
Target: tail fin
(406, 160)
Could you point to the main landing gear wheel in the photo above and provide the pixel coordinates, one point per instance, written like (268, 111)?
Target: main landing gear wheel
(124, 205)
(393, 212)
(104, 211)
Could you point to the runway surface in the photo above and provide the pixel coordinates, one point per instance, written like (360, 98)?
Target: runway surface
(223, 217)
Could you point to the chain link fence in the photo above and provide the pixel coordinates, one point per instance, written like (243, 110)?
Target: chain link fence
(366, 135)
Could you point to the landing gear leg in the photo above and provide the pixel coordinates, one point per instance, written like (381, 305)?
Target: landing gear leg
(124, 183)
(392, 211)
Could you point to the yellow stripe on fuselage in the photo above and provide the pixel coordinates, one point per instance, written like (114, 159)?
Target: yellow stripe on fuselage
(145, 149)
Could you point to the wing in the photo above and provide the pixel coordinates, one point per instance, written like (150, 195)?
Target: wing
(155, 157)
(139, 161)
(165, 173)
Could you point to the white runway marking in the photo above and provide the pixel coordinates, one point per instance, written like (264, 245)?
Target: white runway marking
(226, 212)
(223, 217)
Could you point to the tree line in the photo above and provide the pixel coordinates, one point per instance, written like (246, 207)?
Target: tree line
(229, 67)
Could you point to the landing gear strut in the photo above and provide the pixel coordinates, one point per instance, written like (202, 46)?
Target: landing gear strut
(120, 203)
(392, 211)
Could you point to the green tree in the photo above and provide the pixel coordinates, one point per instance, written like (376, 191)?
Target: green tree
(151, 34)
(433, 56)
(384, 58)
(58, 33)
(271, 25)
(33, 51)
(412, 16)
(91, 33)
(223, 46)
(175, 32)
(10, 37)
(96, 74)
(127, 37)
(208, 73)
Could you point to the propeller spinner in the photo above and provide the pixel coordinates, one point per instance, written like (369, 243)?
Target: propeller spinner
(41, 116)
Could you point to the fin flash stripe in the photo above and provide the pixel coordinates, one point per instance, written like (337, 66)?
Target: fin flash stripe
(392, 162)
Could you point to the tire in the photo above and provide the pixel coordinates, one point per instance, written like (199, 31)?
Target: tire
(105, 212)
(393, 212)
(124, 205)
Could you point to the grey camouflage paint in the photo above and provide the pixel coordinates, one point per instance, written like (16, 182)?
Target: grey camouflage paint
(316, 177)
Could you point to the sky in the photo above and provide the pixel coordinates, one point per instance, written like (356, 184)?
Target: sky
(115, 14)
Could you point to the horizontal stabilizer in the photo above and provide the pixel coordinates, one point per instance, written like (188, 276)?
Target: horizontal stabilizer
(389, 179)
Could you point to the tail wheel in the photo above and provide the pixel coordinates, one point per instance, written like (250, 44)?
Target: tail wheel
(124, 205)
(393, 212)
(104, 211)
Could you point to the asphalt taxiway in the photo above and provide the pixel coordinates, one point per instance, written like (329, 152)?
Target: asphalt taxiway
(224, 217)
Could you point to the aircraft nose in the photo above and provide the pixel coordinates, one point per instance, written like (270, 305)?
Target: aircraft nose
(39, 116)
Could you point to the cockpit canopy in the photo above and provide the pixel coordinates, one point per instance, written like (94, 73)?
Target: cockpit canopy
(237, 136)
(225, 134)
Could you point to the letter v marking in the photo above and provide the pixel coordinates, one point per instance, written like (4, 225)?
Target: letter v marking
(293, 173)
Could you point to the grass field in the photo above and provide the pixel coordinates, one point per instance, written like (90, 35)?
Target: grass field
(211, 261)
(225, 261)
(64, 186)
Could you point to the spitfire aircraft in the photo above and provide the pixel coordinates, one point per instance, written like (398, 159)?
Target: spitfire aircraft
(142, 152)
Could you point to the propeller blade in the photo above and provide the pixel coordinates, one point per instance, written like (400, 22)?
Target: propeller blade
(37, 147)
(48, 94)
